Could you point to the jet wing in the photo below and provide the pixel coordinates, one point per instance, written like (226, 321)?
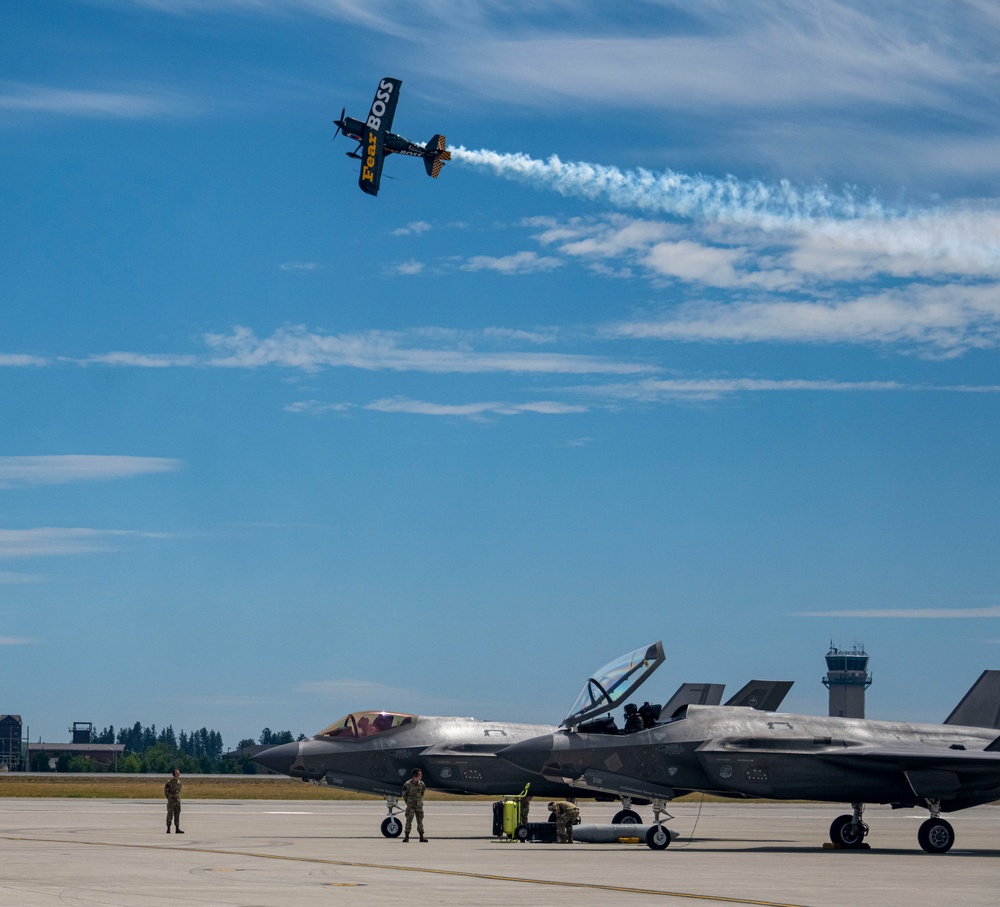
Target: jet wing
(614, 683)
(379, 122)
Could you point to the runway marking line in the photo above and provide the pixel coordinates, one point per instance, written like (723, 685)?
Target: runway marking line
(590, 886)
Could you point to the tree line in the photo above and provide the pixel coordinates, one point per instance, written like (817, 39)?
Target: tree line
(149, 750)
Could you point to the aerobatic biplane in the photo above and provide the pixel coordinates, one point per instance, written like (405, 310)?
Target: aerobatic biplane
(375, 141)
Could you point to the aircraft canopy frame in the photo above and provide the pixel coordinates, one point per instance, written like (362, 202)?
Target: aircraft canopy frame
(614, 683)
(360, 725)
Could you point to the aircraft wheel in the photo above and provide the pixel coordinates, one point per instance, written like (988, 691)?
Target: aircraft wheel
(626, 817)
(392, 827)
(936, 836)
(521, 833)
(658, 838)
(844, 832)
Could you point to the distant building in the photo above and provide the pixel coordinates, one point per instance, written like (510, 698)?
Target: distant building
(11, 744)
(42, 756)
(847, 678)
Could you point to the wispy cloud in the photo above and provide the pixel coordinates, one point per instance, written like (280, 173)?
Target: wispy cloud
(8, 578)
(416, 228)
(355, 690)
(472, 410)
(142, 360)
(296, 347)
(17, 641)
(63, 469)
(409, 268)
(18, 360)
(664, 390)
(518, 263)
(21, 99)
(947, 319)
(301, 266)
(910, 613)
(56, 542)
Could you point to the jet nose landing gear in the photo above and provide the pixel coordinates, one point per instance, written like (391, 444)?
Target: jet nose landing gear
(391, 826)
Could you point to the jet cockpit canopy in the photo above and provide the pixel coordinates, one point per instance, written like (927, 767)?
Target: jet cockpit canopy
(366, 724)
(614, 683)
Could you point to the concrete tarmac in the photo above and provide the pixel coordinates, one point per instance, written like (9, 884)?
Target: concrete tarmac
(256, 853)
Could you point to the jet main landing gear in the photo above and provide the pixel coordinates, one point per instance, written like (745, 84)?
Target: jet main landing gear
(849, 831)
(936, 835)
(626, 815)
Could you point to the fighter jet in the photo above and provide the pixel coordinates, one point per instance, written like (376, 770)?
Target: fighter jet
(735, 751)
(374, 752)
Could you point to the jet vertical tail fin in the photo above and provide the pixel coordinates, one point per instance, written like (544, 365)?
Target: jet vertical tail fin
(435, 155)
(980, 707)
(693, 694)
(765, 695)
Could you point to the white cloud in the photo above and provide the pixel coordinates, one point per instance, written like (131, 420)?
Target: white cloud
(300, 266)
(518, 263)
(666, 390)
(354, 690)
(16, 98)
(317, 407)
(409, 268)
(295, 347)
(57, 542)
(416, 228)
(142, 360)
(910, 613)
(62, 469)
(17, 641)
(17, 360)
(947, 319)
(472, 410)
(9, 578)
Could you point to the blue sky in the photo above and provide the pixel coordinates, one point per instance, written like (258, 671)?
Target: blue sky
(695, 339)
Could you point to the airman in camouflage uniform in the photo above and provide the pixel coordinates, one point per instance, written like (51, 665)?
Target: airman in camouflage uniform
(172, 791)
(566, 815)
(413, 797)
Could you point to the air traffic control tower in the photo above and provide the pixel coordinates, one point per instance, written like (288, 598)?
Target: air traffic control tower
(847, 678)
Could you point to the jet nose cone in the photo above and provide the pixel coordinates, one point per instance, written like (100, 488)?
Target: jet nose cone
(529, 755)
(278, 759)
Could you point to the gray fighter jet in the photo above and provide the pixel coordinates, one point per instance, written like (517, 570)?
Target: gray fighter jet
(375, 752)
(741, 752)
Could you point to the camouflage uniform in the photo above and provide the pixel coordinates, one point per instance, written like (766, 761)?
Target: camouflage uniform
(413, 797)
(172, 791)
(566, 816)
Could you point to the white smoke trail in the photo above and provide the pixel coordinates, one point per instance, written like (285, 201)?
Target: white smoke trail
(946, 240)
(676, 193)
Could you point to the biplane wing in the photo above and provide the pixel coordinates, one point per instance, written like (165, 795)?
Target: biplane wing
(377, 126)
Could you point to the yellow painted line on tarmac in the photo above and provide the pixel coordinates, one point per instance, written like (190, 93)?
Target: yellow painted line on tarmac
(589, 886)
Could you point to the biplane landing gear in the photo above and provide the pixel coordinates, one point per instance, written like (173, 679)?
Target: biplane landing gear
(849, 831)
(391, 826)
(936, 835)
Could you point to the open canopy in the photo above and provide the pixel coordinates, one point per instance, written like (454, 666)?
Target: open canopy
(614, 683)
(366, 724)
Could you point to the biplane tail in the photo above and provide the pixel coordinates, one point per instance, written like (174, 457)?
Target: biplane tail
(435, 156)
